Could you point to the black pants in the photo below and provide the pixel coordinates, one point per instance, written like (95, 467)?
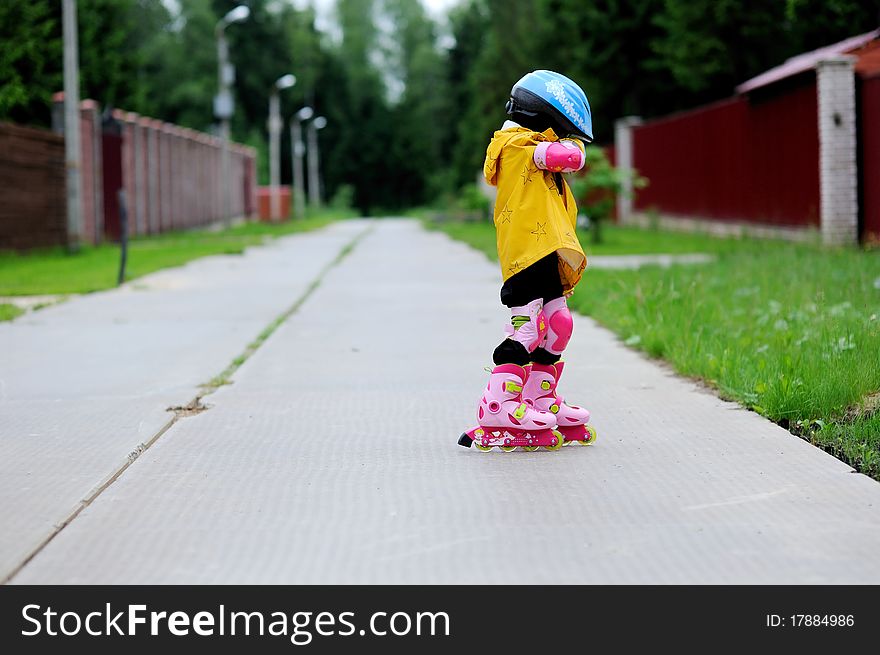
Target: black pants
(540, 280)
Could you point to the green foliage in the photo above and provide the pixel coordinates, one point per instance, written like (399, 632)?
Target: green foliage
(9, 312)
(30, 56)
(343, 199)
(597, 188)
(408, 120)
(790, 331)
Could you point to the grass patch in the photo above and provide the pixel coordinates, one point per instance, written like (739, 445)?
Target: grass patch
(791, 331)
(617, 240)
(55, 271)
(9, 312)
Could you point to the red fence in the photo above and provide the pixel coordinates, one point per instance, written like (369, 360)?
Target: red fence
(172, 178)
(870, 157)
(751, 158)
(32, 188)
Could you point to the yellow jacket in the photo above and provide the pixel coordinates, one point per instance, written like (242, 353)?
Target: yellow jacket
(533, 218)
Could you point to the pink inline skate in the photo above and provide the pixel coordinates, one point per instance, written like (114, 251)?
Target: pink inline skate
(539, 391)
(506, 421)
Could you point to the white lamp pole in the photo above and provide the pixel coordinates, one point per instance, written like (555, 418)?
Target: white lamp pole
(314, 178)
(71, 123)
(297, 150)
(283, 82)
(223, 106)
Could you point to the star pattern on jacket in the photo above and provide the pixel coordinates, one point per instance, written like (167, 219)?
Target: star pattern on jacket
(505, 214)
(514, 267)
(527, 174)
(539, 230)
(551, 183)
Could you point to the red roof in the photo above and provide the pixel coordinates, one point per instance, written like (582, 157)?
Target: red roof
(863, 46)
(868, 64)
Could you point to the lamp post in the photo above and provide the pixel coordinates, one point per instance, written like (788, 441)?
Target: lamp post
(314, 182)
(223, 105)
(297, 150)
(71, 123)
(283, 82)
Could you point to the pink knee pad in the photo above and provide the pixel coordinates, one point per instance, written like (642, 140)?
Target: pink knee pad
(528, 325)
(559, 326)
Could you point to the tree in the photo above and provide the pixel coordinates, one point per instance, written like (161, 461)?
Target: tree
(467, 147)
(816, 23)
(422, 116)
(30, 52)
(710, 46)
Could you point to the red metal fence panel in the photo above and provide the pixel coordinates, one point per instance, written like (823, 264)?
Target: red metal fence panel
(870, 163)
(750, 158)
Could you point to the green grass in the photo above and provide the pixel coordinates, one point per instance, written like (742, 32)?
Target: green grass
(617, 240)
(9, 312)
(791, 331)
(54, 271)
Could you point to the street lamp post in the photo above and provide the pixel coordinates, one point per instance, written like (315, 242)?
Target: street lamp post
(223, 105)
(314, 180)
(283, 82)
(71, 123)
(297, 150)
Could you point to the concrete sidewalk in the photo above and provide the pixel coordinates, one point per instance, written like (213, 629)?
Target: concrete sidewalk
(333, 459)
(86, 384)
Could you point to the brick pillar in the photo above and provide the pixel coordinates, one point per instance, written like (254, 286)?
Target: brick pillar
(624, 156)
(838, 172)
(152, 174)
(93, 174)
(137, 216)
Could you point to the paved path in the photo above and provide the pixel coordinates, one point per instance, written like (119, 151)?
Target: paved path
(86, 384)
(332, 458)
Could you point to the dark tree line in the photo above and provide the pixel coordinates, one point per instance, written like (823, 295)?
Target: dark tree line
(408, 120)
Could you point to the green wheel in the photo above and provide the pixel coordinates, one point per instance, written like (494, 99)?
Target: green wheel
(559, 441)
(591, 436)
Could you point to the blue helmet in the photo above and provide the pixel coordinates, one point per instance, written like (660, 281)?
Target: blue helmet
(555, 96)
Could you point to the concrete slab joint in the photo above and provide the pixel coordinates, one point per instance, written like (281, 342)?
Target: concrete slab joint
(838, 168)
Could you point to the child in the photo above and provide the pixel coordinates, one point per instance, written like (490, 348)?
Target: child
(541, 262)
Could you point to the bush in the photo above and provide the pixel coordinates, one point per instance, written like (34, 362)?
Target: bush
(343, 198)
(596, 190)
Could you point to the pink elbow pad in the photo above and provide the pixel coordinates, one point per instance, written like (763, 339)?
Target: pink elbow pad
(559, 157)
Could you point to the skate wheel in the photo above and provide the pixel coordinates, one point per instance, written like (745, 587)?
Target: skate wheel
(559, 441)
(482, 448)
(530, 449)
(508, 449)
(591, 436)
